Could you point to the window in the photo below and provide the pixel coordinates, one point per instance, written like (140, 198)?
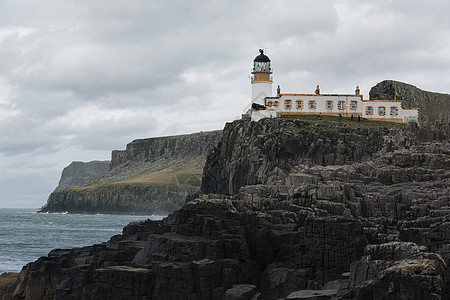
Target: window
(312, 104)
(269, 103)
(276, 103)
(341, 105)
(369, 110)
(353, 105)
(287, 104)
(394, 111)
(329, 104)
(381, 110)
(299, 104)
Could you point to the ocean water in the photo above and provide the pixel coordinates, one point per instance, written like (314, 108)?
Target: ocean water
(26, 235)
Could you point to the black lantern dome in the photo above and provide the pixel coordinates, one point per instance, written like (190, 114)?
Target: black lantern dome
(261, 63)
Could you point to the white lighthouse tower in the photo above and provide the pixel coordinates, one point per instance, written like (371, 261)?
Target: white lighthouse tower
(261, 79)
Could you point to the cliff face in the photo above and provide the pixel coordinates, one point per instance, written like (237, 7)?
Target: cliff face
(291, 209)
(434, 107)
(121, 199)
(151, 176)
(79, 173)
(172, 147)
(269, 149)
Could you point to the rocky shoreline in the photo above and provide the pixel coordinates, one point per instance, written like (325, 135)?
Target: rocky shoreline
(287, 210)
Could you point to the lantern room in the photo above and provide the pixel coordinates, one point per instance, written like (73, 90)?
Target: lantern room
(261, 63)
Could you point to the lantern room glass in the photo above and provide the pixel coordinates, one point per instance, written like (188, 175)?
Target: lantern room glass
(259, 66)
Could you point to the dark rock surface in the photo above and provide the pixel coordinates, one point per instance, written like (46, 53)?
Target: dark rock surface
(209, 246)
(7, 282)
(268, 151)
(434, 107)
(287, 210)
(79, 173)
(397, 270)
(312, 294)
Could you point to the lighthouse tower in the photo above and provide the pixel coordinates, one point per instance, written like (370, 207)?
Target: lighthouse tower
(261, 79)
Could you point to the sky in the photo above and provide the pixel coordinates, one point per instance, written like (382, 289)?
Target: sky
(79, 79)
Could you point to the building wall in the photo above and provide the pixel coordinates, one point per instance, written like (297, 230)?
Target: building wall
(345, 105)
(398, 114)
(261, 114)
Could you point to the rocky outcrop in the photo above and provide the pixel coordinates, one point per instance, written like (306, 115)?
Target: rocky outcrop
(268, 150)
(289, 210)
(151, 176)
(7, 283)
(79, 173)
(434, 107)
(397, 270)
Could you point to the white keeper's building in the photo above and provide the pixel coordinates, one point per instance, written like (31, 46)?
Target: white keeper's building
(264, 105)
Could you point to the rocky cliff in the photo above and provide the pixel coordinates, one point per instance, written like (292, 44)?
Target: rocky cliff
(290, 209)
(151, 176)
(79, 173)
(434, 107)
(269, 151)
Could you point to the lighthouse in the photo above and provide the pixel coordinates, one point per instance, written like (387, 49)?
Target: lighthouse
(261, 79)
(264, 105)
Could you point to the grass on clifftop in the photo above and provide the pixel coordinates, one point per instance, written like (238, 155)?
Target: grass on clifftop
(172, 173)
(180, 178)
(331, 120)
(187, 176)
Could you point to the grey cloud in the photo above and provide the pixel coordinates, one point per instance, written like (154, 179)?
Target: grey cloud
(80, 78)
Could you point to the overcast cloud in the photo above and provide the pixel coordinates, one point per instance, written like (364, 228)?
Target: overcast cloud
(81, 78)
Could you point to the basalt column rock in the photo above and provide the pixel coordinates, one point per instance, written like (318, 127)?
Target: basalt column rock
(206, 250)
(397, 271)
(267, 151)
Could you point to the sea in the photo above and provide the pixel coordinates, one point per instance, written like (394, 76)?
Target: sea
(26, 235)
